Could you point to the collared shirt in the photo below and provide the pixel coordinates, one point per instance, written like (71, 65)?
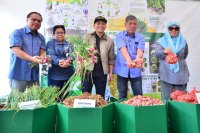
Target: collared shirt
(59, 51)
(31, 44)
(132, 43)
(98, 68)
(164, 71)
(106, 45)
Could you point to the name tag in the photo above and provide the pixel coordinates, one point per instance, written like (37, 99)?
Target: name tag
(29, 105)
(84, 103)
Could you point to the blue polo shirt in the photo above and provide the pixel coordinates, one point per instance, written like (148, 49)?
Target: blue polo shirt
(31, 44)
(132, 43)
(58, 52)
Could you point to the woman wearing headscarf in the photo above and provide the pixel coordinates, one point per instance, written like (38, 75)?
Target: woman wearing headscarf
(59, 50)
(172, 50)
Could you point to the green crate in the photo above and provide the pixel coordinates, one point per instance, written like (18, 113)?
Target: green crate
(184, 117)
(41, 120)
(112, 99)
(85, 120)
(142, 119)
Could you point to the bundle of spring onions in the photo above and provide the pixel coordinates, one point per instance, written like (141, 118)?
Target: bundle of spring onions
(47, 97)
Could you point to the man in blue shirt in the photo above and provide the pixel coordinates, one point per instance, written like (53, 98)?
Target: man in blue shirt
(130, 46)
(27, 46)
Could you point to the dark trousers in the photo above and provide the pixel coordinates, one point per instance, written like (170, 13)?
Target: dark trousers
(122, 85)
(166, 89)
(98, 80)
(60, 84)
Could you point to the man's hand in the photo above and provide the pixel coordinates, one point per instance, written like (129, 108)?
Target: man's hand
(36, 59)
(138, 62)
(130, 64)
(110, 77)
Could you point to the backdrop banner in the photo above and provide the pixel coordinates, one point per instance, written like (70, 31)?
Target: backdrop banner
(78, 15)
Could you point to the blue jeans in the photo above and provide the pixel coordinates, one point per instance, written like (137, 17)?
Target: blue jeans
(99, 81)
(122, 85)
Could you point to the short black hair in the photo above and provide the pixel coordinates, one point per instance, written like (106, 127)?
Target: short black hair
(58, 26)
(29, 15)
(130, 17)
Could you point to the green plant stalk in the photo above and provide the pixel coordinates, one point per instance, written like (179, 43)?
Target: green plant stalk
(81, 49)
(47, 96)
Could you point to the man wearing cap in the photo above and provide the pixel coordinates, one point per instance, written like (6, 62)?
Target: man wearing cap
(104, 66)
(130, 47)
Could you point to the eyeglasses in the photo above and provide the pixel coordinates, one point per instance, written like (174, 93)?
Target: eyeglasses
(173, 28)
(34, 20)
(59, 33)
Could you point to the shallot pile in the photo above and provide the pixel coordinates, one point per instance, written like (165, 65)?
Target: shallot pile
(99, 100)
(143, 101)
(182, 96)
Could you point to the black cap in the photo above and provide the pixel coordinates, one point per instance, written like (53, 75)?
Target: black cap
(100, 18)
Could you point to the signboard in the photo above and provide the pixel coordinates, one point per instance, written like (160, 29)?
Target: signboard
(84, 103)
(79, 15)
